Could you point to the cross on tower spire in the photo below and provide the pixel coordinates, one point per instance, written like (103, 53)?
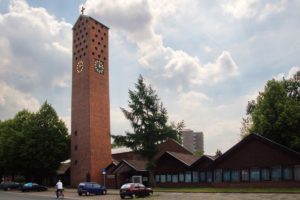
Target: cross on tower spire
(82, 10)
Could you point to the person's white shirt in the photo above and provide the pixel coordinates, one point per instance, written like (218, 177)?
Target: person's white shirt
(59, 185)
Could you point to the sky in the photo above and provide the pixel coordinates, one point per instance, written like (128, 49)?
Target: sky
(205, 59)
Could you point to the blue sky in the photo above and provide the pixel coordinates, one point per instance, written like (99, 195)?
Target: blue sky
(205, 59)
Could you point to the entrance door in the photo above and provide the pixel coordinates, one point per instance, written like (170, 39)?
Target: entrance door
(136, 179)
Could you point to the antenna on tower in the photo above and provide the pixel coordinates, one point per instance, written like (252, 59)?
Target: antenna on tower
(82, 10)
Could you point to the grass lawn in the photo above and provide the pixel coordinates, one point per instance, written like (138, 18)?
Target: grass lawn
(228, 190)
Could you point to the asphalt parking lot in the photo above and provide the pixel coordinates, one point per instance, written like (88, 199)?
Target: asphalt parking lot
(113, 195)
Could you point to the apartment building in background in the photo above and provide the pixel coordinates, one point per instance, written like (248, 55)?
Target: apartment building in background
(193, 141)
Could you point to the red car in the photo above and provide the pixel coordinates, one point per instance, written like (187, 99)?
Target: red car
(134, 189)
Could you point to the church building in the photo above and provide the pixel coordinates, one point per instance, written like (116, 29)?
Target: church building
(253, 162)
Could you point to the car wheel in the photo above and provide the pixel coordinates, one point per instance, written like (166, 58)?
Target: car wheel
(132, 196)
(79, 193)
(122, 197)
(87, 194)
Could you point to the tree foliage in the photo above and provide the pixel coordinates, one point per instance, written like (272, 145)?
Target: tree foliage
(218, 153)
(148, 118)
(33, 144)
(276, 113)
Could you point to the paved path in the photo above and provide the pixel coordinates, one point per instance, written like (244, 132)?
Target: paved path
(113, 195)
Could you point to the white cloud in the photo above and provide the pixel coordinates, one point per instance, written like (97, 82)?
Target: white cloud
(135, 20)
(240, 9)
(290, 74)
(13, 100)
(35, 65)
(120, 123)
(274, 8)
(259, 10)
(37, 56)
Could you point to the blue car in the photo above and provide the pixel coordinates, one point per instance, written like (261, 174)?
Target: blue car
(89, 188)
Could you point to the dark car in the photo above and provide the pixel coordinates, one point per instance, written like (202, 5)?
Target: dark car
(33, 187)
(89, 188)
(134, 189)
(10, 185)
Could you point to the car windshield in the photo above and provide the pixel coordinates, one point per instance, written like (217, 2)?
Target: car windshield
(126, 186)
(28, 185)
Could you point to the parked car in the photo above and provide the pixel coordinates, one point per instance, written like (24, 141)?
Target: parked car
(89, 188)
(33, 187)
(10, 185)
(134, 189)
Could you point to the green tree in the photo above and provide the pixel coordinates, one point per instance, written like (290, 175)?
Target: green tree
(276, 113)
(198, 152)
(148, 119)
(218, 153)
(33, 144)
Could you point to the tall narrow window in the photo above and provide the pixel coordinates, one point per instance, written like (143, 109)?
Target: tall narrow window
(163, 178)
(218, 175)
(188, 177)
(195, 177)
(169, 178)
(157, 178)
(287, 173)
(202, 177)
(175, 178)
(297, 172)
(181, 177)
(226, 176)
(255, 174)
(245, 175)
(235, 175)
(265, 174)
(276, 173)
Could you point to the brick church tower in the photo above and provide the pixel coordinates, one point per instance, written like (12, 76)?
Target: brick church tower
(90, 123)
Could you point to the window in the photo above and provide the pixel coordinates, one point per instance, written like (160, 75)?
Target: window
(287, 173)
(202, 177)
(163, 178)
(265, 174)
(157, 178)
(209, 176)
(218, 175)
(226, 176)
(169, 178)
(245, 175)
(188, 177)
(75, 132)
(297, 172)
(235, 175)
(276, 173)
(195, 177)
(175, 178)
(255, 174)
(181, 177)
(75, 147)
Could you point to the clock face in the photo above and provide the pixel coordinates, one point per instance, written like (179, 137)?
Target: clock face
(99, 67)
(79, 66)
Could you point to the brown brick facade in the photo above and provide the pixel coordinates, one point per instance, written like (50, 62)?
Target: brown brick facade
(90, 123)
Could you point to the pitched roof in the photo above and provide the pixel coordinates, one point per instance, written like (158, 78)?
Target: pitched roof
(173, 146)
(251, 137)
(63, 168)
(136, 165)
(186, 159)
(203, 157)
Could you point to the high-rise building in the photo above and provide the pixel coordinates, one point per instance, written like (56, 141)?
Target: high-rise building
(90, 123)
(193, 141)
